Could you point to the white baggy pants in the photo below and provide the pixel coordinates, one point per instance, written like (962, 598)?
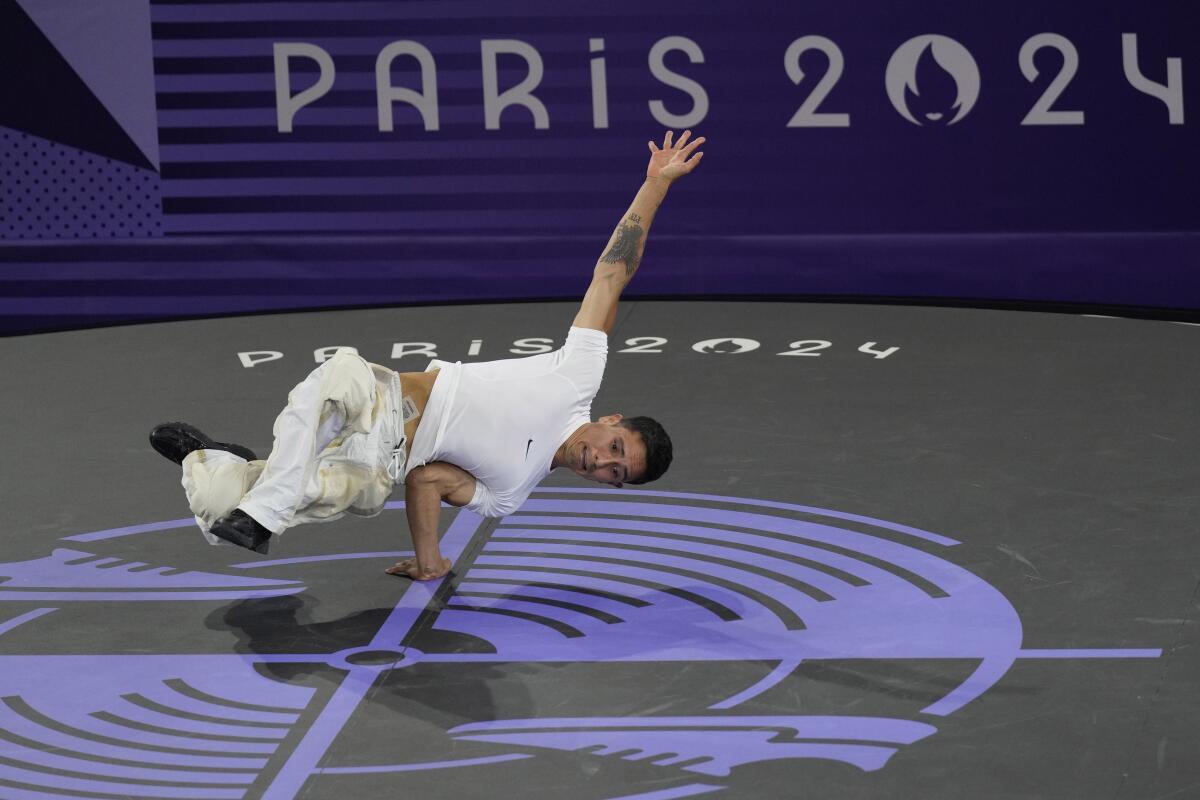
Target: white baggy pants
(339, 448)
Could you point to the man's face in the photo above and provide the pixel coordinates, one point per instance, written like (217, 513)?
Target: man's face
(605, 452)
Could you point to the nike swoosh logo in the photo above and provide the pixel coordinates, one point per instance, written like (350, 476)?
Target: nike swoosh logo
(527, 446)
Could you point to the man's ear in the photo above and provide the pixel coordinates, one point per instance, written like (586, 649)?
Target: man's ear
(611, 419)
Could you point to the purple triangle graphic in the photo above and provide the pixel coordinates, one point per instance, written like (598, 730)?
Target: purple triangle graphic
(108, 45)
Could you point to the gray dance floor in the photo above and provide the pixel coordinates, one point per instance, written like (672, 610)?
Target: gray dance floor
(903, 552)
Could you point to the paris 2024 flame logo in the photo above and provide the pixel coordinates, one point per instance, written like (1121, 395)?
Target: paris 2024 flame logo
(932, 80)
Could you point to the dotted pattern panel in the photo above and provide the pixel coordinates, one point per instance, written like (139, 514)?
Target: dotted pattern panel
(51, 191)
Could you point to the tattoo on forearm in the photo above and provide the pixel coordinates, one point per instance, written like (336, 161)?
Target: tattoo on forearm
(625, 248)
(635, 217)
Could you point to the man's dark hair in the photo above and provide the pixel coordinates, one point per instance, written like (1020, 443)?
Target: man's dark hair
(658, 446)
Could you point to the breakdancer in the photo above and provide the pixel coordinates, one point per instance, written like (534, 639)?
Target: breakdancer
(478, 435)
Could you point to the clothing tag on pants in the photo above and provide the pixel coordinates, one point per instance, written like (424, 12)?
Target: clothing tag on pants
(410, 409)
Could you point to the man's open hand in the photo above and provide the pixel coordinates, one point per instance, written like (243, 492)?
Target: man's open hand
(412, 569)
(674, 160)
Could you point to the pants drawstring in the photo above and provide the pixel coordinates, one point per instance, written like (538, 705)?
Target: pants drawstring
(396, 465)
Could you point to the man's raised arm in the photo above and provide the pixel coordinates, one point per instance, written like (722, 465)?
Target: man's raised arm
(623, 254)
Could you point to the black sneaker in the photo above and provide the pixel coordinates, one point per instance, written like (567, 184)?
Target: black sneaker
(238, 527)
(174, 440)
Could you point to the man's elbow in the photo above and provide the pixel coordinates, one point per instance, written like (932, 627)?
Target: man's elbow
(611, 277)
(429, 479)
(420, 477)
(452, 485)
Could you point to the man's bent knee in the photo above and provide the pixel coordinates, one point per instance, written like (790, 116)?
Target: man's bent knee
(348, 382)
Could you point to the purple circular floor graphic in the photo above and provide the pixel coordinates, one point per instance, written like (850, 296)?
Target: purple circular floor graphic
(587, 576)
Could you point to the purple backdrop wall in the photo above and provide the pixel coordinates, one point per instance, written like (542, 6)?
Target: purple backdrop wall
(174, 158)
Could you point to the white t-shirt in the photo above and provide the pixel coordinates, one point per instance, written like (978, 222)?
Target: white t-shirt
(502, 421)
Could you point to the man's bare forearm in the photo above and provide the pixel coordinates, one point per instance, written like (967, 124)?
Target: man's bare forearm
(424, 490)
(423, 506)
(623, 254)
